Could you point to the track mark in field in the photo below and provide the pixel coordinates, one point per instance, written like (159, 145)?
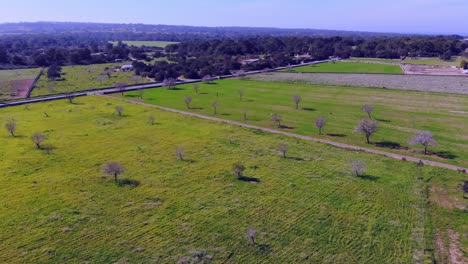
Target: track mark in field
(308, 138)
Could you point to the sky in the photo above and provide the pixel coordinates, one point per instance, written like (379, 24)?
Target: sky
(399, 16)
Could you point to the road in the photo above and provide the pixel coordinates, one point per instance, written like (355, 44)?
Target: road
(325, 141)
(139, 87)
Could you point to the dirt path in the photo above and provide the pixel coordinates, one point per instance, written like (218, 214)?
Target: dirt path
(279, 132)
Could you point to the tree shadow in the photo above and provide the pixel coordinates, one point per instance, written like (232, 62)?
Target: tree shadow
(286, 127)
(309, 109)
(196, 108)
(264, 248)
(389, 144)
(225, 114)
(132, 95)
(384, 120)
(128, 182)
(248, 179)
(336, 135)
(445, 154)
(250, 100)
(176, 89)
(202, 93)
(369, 177)
(295, 158)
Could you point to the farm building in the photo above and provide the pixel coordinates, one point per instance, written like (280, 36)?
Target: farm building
(127, 68)
(249, 61)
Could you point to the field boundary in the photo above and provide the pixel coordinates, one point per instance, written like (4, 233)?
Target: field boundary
(33, 84)
(308, 138)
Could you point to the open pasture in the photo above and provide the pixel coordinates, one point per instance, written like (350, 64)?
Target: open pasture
(83, 77)
(400, 113)
(348, 67)
(307, 207)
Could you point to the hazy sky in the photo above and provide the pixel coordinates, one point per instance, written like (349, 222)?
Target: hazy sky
(414, 16)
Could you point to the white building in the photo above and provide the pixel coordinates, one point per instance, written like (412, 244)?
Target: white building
(126, 68)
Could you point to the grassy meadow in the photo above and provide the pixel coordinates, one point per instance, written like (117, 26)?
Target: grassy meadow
(18, 74)
(160, 44)
(83, 77)
(57, 208)
(349, 67)
(400, 113)
(362, 59)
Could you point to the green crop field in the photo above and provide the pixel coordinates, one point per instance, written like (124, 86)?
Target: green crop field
(349, 67)
(455, 61)
(161, 44)
(401, 113)
(308, 208)
(83, 77)
(19, 74)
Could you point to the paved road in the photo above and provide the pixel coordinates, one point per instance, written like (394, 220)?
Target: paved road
(279, 132)
(139, 87)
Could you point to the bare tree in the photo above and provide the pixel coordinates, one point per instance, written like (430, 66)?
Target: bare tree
(367, 127)
(276, 118)
(206, 79)
(114, 169)
(180, 153)
(119, 110)
(241, 94)
(11, 127)
(424, 138)
(245, 112)
(368, 109)
(215, 107)
(152, 119)
(121, 87)
(187, 101)
(465, 188)
(46, 114)
(195, 88)
(251, 235)
(238, 169)
(38, 138)
(108, 72)
(141, 92)
(169, 83)
(70, 98)
(101, 78)
(320, 123)
(283, 149)
(297, 99)
(231, 141)
(357, 167)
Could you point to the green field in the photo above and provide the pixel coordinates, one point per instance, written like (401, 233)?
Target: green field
(83, 77)
(19, 74)
(308, 208)
(375, 60)
(401, 113)
(160, 44)
(349, 67)
(455, 61)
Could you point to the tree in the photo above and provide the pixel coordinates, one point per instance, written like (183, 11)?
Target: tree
(152, 119)
(464, 64)
(357, 167)
(195, 88)
(141, 92)
(169, 83)
(187, 101)
(276, 118)
(367, 127)
(119, 110)
(180, 153)
(206, 79)
(53, 72)
(251, 235)
(238, 169)
(241, 94)
(465, 188)
(38, 138)
(121, 87)
(215, 107)
(70, 98)
(11, 127)
(368, 109)
(320, 123)
(424, 138)
(283, 149)
(297, 99)
(245, 112)
(114, 169)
